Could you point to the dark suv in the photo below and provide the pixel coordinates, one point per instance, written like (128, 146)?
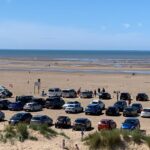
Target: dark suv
(63, 122)
(4, 104)
(24, 99)
(104, 95)
(112, 111)
(86, 94)
(125, 96)
(121, 105)
(142, 97)
(54, 102)
(94, 109)
(130, 112)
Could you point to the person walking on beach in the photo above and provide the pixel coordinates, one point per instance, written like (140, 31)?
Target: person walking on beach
(95, 93)
(77, 147)
(79, 91)
(103, 90)
(99, 90)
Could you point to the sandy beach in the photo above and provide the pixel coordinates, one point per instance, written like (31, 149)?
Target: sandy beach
(23, 74)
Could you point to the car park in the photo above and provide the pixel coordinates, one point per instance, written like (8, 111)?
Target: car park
(121, 105)
(54, 92)
(104, 95)
(130, 112)
(145, 112)
(15, 106)
(86, 94)
(74, 108)
(125, 96)
(107, 124)
(99, 102)
(142, 97)
(131, 124)
(54, 102)
(32, 106)
(137, 106)
(22, 117)
(82, 124)
(63, 122)
(41, 120)
(4, 104)
(93, 109)
(69, 93)
(70, 102)
(112, 111)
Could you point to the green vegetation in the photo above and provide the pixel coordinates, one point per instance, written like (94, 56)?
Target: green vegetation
(115, 139)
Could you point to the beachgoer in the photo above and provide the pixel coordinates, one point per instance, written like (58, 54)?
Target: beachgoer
(129, 102)
(63, 143)
(95, 93)
(79, 91)
(76, 146)
(99, 90)
(82, 133)
(103, 90)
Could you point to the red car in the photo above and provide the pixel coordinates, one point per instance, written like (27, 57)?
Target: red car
(107, 124)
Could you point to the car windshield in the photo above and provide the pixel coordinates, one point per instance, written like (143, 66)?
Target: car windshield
(61, 118)
(111, 109)
(80, 121)
(135, 105)
(72, 105)
(104, 121)
(146, 110)
(130, 121)
(17, 116)
(36, 118)
(91, 107)
(129, 109)
(119, 103)
(70, 102)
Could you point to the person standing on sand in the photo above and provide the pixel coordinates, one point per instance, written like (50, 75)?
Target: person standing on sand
(95, 93)
(79, 91)
(99, 90)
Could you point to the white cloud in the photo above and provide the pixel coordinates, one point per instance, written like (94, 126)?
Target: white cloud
(126, 25)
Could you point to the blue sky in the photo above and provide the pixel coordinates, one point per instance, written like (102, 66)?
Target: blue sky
(75, 24)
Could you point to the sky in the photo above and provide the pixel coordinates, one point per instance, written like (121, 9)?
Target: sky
(75, 24)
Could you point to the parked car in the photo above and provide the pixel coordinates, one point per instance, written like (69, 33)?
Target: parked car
(54, 102)
(63, 122)
(130, 112)
(24, 99)
(2, 116)
(74, 108)
(107, 124)
(104, 95)
(125, 96)
(15, 106)
(112, 111)
(39, 101)
(145, 112)
(121, 105)
(32, 106)
(82, 124)
(93, 109)
(4, 92)
(4, 104)
(69, 93)
(22, 117)
(137, 106)
(70, 102)
(86, 94)
(142, 97)
(41, 119)
(131, 124)
(54, 92)
(102, 105)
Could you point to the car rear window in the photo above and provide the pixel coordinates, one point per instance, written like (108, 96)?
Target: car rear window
(146, 110)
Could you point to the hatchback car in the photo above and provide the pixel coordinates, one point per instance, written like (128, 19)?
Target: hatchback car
(112, 111)
(145, 112)
(131, 124)
(121, 105)
(104, 95)
(15, 106)
(69, 93)
(142, 97)
(70, 102)
(93, 109)
(125, 96)
(74, 108)
(32, 106)
(107, 124)
(22, 117)
(86, 94)
(130, 112)
(82, 124)
(41, 119)
(137, 106)
(4, 104)
(63, 122)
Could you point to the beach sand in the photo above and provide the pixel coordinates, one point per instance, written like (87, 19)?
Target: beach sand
(23, 84)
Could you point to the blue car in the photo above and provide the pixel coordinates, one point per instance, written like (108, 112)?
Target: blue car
(94, 109)
(131, 124)
(16, 106)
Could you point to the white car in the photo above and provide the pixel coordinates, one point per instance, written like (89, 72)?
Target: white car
(70, 102)
(74, 108)
(54, 92)
(32, 106)
(145, 112)
(102, 105)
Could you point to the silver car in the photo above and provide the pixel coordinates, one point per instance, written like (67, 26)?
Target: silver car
(32, 106)
(41, 119)
(74, 108)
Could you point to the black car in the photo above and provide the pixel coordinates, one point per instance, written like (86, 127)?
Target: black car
(24, 99)
(4, 104)
(142, 97)
(69, 93)
(137, 106)
(54, 102)
(82, 124)
(125, 96)
(121, 105)
(63, 122)
(22, 117)
(112, 111)
(86, 94)
(130, 112)
(39, 101)
(6, 93)
(104, 95)
(93, 109)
